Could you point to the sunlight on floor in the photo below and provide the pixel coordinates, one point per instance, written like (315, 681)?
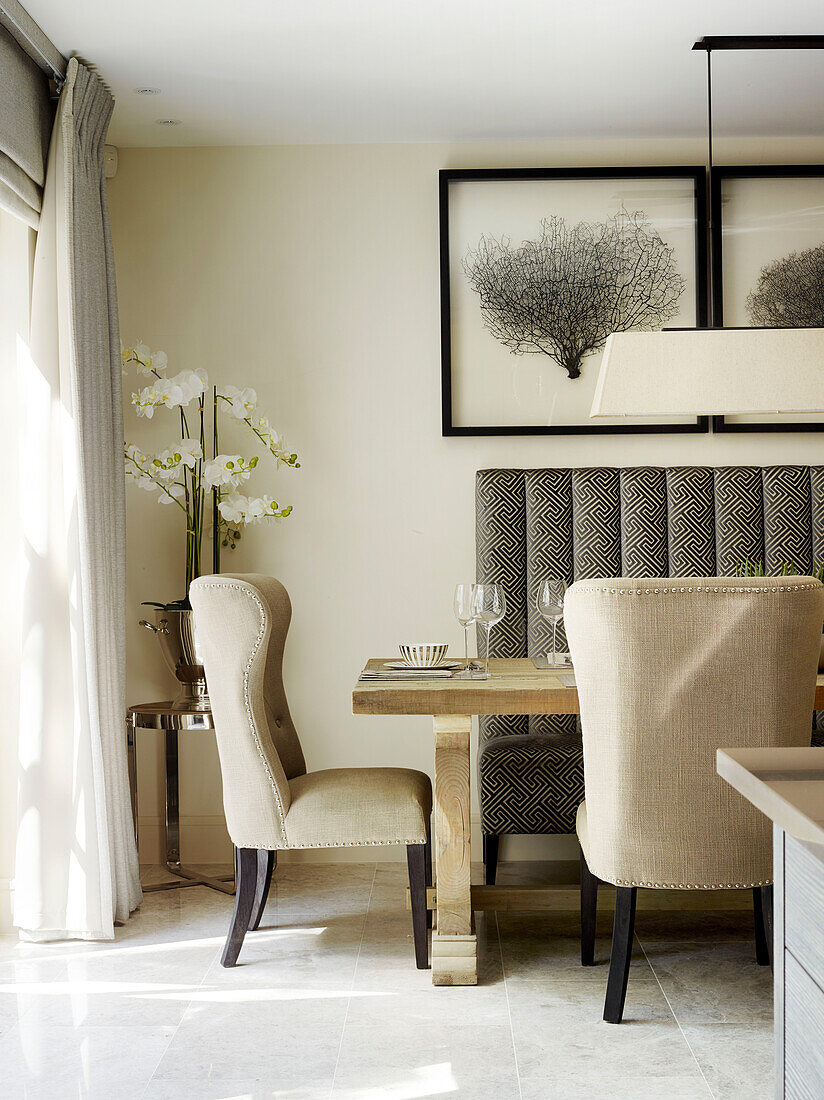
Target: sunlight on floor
(327, 1004)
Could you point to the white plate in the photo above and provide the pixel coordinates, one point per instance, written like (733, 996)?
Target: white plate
(423, 668)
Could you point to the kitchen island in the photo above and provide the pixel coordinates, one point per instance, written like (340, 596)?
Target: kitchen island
(788, 786)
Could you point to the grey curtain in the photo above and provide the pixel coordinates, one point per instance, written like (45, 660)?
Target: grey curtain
(25, 122)
(76, 868)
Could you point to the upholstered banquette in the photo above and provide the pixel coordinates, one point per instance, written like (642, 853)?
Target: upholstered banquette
(603, 522)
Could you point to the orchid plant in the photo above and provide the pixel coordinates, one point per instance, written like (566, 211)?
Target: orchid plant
(186, 473)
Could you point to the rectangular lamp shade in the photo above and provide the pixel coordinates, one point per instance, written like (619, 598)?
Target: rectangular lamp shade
(701, 372)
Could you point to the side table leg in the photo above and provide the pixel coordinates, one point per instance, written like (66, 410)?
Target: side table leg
(131, 754)
(172, 801)
(454, 946)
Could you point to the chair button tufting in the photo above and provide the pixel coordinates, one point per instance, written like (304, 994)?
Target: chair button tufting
(278, 722)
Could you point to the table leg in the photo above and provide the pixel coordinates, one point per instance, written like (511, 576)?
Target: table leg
(454, 947)
(172, 800)
(131, 755)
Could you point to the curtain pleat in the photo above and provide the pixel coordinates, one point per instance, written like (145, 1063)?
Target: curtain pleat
(76, 868)
(25, 123)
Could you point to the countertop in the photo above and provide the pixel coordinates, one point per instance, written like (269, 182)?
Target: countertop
(785, 784)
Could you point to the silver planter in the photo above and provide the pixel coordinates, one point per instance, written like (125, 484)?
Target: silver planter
(178, 639)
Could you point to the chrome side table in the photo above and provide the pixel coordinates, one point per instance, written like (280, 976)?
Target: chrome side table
(170, 718)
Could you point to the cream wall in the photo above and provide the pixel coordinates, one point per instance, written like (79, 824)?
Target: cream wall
(311, 274)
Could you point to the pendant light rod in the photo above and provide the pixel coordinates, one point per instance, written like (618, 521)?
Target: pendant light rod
(760, 42)
(709, 43)
(711, 212)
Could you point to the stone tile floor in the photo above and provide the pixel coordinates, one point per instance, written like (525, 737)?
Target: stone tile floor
(327, 1003)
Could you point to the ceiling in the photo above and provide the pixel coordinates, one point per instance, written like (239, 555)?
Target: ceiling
(261, 72)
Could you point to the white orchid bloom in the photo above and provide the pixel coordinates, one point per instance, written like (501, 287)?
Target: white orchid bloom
(137, 456)
(126, 355)
(232, 508)
(190, 451)
(148, 361)
(256, 508)
(192, 385)
(228, 470)
(171, 494)
(166, 465)
(264, 507)
(166, 393)
(243, 402)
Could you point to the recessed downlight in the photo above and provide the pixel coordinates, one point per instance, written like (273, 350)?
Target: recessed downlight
(147, 91)
(168, 121)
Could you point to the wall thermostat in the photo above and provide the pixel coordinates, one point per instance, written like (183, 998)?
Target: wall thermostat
(109, 161)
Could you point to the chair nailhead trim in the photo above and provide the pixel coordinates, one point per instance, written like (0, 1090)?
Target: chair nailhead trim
(700, 588)
(346, 844)
(691, 885)
(246, 700)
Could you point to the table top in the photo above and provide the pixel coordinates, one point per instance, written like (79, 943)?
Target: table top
(169, 715)
(787, 785)
(516, 686)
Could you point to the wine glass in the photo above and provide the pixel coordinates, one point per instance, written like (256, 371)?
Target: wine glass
(550, 604)
(464, 613)
(489, 606)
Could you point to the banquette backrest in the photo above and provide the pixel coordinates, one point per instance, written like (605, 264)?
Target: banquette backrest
(633, 522)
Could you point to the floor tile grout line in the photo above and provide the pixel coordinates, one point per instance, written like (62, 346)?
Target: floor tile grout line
(354, 976)
(182, 1016)
(675, 1017)
(508, 1006)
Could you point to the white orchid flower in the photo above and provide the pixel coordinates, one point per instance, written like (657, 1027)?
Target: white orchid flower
(232, 508)
(192, 384)
(190, 451)
(171, 494)
(137, 456)
(166, 393)
(243, 402)
(228, 470)
(256, 508)
(148, 361)
(126, 355)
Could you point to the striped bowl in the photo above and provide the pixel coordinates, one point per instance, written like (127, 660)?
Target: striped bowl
(423, 654)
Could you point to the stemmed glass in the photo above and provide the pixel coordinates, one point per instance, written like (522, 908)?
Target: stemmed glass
(489, 606)
(550, 604)
(464, 613)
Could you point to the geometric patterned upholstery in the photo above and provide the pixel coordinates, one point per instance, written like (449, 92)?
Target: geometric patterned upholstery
(605, 522)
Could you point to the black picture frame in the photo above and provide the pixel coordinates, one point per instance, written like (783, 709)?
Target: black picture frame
(448, 176)
(721, 173)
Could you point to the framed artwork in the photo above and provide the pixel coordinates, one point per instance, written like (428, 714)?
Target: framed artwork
(538, 267)
(768, 262)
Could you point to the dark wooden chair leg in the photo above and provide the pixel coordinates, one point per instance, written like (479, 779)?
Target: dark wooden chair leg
(623, 929)
(246, 866)
(762, 904)
(428, 868)
(416, 861)
(589, 910)
(266, 862)
(491, 841)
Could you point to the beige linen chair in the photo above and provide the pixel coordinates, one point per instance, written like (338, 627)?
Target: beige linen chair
(270, 800)
(668, 671)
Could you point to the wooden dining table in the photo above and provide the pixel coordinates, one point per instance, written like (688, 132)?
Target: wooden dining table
(515, 686)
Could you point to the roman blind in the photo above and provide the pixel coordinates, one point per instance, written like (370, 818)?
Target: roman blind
(25, 125)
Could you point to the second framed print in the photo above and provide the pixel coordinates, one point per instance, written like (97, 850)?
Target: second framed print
(538, 267)
(768, 263)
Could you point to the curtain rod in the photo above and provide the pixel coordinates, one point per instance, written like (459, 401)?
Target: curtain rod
(31, 39)
(760, 42)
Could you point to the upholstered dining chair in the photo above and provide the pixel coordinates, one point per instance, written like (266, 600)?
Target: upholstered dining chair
(271, 802)
(668, 671)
